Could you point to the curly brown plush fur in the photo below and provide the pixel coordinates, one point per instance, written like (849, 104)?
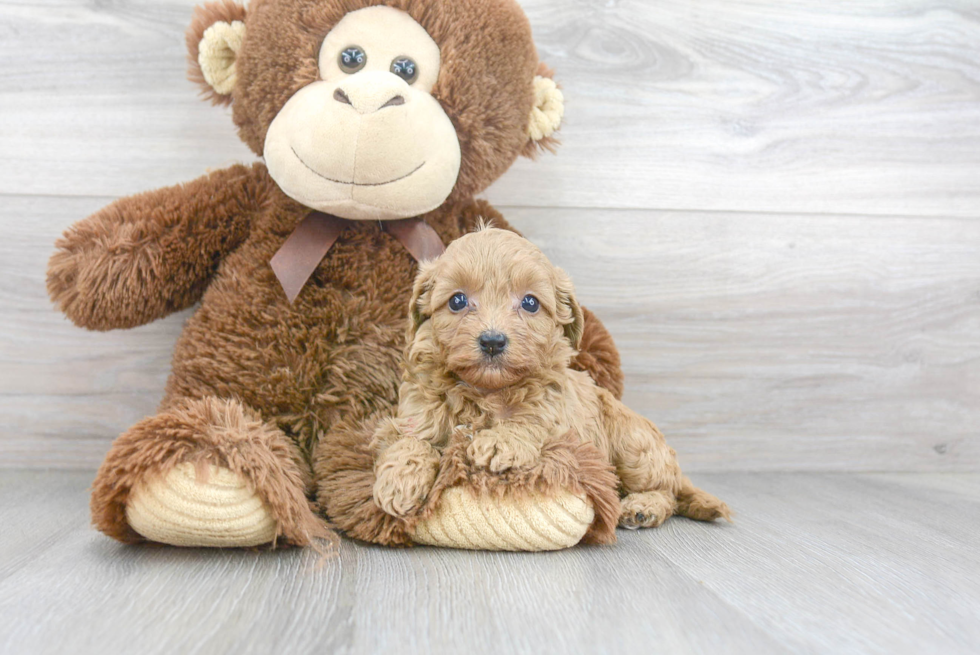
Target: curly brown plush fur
(258, 382)
(493, 330)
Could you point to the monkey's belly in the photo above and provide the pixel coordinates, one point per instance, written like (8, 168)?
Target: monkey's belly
(303, 372)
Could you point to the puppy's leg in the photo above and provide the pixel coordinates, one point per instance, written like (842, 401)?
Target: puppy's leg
(506, 446)
(404, 472)
(646, 466)
(650, 475)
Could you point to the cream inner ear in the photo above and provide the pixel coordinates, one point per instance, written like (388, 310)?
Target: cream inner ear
(217, 53)
(549, 108)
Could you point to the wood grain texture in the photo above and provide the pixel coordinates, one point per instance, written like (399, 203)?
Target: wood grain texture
(748, 105)
(762, 342)
(811, 342)
(814, 564)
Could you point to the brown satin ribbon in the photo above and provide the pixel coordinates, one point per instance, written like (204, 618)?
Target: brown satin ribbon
(313, 237)
(418, 237)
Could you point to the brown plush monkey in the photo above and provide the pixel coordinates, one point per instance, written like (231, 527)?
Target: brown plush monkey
(378, 122)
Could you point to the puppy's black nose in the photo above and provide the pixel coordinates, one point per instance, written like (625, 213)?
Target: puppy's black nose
(493, 343)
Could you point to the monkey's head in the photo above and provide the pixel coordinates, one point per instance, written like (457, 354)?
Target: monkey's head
(378, 109)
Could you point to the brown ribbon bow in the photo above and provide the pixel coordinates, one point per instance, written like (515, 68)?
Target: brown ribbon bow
(313, 237)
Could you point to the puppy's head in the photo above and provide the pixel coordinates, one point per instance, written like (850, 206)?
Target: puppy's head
(493, 311)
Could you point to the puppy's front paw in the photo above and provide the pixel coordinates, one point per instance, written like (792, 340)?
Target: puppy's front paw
(647, 509)
(498, 454)
(404, 475)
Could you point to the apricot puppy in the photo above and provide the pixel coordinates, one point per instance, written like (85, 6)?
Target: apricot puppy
(492, 331)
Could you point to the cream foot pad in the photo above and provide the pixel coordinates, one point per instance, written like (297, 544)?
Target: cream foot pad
(179, 510)
(531, 523)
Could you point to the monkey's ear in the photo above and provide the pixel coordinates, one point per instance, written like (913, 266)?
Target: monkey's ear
(419, 307)
(569, 312)
(546, 114)
(214, 39)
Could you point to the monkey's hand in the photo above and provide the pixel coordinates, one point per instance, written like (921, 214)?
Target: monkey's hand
(146, 256)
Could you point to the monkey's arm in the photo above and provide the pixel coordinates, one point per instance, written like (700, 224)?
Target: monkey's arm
(597, 355)
(146, 256)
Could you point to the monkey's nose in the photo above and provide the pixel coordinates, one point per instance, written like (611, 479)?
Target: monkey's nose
(397, 100)
(493, 343)
(369, 102)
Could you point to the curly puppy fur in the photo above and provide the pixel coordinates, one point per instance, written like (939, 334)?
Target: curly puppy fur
(496, 371)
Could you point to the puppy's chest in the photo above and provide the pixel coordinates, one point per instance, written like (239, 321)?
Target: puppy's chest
(490, 413)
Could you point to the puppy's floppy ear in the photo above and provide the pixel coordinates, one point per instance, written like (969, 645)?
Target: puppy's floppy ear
(546, 114)
(419, 308)
(569, 313)
(214, 39)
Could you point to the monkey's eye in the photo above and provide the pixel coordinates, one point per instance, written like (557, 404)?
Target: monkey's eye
(458, 302)
(530, 304)
(405, 68)
(352, 59)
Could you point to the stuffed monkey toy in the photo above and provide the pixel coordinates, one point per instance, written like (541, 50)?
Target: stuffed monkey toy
(378, 121)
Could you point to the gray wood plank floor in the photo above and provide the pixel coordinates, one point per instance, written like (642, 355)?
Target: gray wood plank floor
(815, 563)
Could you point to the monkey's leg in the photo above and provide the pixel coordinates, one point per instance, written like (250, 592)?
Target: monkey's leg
(205, 472)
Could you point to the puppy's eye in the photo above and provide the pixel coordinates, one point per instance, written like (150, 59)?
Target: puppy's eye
(352, 59)
(458, 302)
(530, 304)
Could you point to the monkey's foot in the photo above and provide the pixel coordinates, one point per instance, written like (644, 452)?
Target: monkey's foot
(215, 509)
(534, 522)
(205, 472)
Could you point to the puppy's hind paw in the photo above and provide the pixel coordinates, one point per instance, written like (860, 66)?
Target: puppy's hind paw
(645, 510)
(632, 521)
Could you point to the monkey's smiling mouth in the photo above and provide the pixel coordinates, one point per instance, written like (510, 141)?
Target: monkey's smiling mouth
(352, 182)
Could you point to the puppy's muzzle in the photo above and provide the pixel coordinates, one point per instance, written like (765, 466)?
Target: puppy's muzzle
(493, 343)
